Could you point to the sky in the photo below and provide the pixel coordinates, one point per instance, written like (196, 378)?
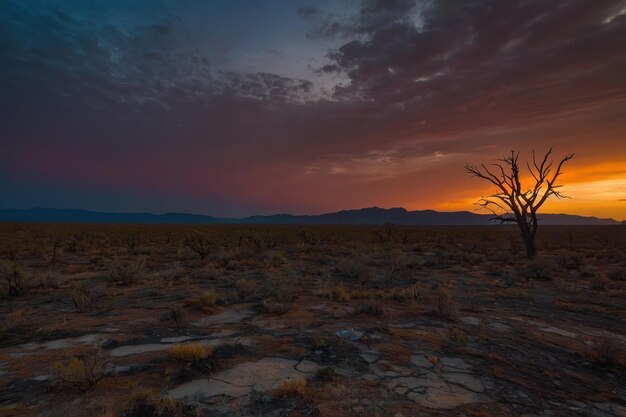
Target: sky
(240, 107)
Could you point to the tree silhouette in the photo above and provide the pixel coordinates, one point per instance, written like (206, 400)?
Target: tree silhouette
(512, 203)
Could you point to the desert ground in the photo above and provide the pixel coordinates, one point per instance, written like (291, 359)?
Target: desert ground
(125, 320)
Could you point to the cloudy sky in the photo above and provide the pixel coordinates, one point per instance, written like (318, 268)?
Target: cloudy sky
(237, 107)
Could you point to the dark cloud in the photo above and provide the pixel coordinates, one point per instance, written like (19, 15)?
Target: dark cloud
(509, 61)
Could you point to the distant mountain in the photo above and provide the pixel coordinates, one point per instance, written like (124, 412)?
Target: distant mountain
(371, 215)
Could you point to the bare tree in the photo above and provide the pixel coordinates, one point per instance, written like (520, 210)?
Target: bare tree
(512, 203)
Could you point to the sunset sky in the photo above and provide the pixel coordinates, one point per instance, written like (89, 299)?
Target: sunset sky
(239, 107)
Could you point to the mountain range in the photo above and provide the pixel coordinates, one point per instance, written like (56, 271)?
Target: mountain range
(371, 215)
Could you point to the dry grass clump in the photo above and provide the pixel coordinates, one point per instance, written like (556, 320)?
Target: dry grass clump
(295, 388)
(318, 341)
(444, 304)
(208, 299)
(191, 352)
(83, 295)
(269, 306)
(540, 270)
(457, 338)
(326, 374)
(372, 309)
(279, 285)
(147, 404)
(340, 293)
(359, 294)
(83, 370)
(246, 287)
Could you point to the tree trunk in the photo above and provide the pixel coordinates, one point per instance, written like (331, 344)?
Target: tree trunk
(529, 242)
(531, 251)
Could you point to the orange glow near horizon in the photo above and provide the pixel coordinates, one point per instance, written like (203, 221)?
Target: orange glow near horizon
(594, 190)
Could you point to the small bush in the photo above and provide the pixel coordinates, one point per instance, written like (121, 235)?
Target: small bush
(540, 270)
(84, 296)
(340, 293)
(191, 352)
(208, 299)
(457, 337)
(326, 374)
(370, 308)
(125, 271)
(147, 404)
(570, 262)
(444, 304)
(246, 287)
(83, 370)
(15, 277)
(177, 315)
(292, 389)
(273, 307)
(318, 342)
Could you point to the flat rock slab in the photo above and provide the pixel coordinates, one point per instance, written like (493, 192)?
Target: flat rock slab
(122, 351)
(88, 339)
(265, 375)
(129, 350)
(225, 317)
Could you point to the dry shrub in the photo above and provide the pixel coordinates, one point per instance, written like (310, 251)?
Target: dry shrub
(359, 294)
(421, 294)
(570, 262)
(177, 315)
(208, 299)
(84, 295)
(279, 285)
(191, 352)
(372, 309)
(50, 278)
(539, 270)
(83, 370)
(273, 307)
(340, 293)
(326, 374)
(444, 304)
(354, 270)
(126, 271)
(295, 388)
(14, 276)
(246, 287)
(457, 337)
(318, 341)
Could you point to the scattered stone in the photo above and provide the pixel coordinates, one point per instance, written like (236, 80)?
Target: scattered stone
(472, 321)
(352, 335)
(225, 317)
(307, 366)
(42, 378)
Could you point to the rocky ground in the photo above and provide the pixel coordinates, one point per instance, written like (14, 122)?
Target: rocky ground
(316, 321)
